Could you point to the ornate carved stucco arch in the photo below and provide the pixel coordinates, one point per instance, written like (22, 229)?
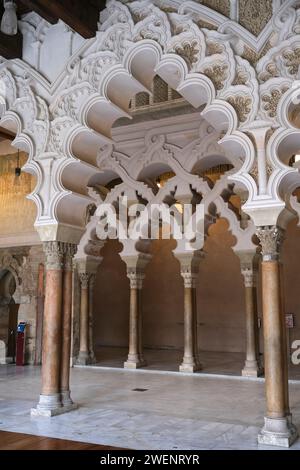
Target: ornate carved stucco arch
(63, 124)
(284, 144)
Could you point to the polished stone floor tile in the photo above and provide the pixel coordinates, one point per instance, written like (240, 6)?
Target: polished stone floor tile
(175, 412)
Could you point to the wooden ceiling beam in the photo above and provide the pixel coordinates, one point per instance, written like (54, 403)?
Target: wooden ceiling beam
(6, 135)
(81, 16)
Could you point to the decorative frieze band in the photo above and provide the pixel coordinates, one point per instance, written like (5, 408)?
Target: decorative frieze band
(271, 238)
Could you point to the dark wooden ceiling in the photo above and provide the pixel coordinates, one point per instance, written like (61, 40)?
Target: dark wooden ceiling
(81, 16)
(5, 134)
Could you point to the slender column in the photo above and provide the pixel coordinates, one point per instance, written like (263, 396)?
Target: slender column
(258, 330)
(135, 357)
(285, 348)
(92, 357)
(190, 360)
(278, 429)
(66, 326)
(83, 357)
(251, 367)
(195, 321)
(140, 325)
(39, 315)
(50, 400)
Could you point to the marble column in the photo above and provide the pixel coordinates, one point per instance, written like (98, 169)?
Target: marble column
(70, 251)
(285, 345)
(278, 428)
(190, 361)
(135, 356)
(195, 320)
(84, 357)
(92, 357)
(252, 366)
(50, 398)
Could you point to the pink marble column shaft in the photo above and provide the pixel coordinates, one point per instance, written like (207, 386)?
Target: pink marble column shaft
(66, 325)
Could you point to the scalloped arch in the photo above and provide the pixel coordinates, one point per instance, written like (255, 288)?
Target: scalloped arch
(73, 119)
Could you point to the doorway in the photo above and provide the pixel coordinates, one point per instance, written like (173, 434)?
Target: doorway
(8, 314)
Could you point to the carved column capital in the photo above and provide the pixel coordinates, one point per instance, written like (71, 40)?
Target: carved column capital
(70, 251)
(249, 276)
(189, 267)
(136, 278)
(189, 278)
(270, 238)
(84, 280)
(249, 266)
(54, 253)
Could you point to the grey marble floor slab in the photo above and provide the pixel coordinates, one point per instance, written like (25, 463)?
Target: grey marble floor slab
(174, 412)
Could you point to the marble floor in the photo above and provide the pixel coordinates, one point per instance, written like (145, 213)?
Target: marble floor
(175, 411)
(221, 363)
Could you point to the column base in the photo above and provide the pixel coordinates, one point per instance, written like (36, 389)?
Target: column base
(6, 360)
(249, 372)
(134, 364)
(194, 367)
(83, 359)
(278, 432)
(51, 405)
(93, 359)
(66, 399)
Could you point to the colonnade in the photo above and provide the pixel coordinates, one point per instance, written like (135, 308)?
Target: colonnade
(189, 269)
(55, 394)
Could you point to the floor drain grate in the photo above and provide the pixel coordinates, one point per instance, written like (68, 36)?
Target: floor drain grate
(140, 389)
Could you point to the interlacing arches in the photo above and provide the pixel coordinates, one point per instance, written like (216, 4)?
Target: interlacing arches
(63, 125)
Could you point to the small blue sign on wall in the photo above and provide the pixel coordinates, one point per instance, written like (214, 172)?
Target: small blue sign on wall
(21, 327)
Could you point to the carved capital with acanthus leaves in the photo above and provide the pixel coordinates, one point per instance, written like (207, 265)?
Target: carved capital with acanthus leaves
(84, 280)
(70, 251)
(54, 253)
(271, 238)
